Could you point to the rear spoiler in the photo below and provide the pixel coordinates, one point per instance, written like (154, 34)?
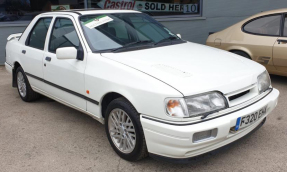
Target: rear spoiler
(14, 36)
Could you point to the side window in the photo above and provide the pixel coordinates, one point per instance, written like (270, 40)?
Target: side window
(269, 25)
(285, 27)
(63, 35)
(38, 34)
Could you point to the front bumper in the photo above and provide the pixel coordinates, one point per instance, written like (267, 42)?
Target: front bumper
(176, 141)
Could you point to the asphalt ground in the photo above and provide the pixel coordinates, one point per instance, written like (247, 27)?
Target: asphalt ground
(48, 136)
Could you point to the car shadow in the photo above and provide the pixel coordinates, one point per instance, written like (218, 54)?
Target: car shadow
(278, 79)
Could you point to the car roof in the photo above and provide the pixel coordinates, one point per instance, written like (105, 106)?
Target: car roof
(283, 10)
(89, 11)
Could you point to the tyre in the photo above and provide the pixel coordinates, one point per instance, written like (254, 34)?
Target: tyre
(243, 54)
(124, 130)
(24, 89)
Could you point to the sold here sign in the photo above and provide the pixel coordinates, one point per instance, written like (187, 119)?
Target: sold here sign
(148, 6)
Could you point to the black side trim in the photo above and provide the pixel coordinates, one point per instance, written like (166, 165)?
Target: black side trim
(177, 124)
(64, 89)
(35, 77)
(8, 64)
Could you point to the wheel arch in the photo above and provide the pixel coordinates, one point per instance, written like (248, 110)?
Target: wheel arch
(15, 67)
(108, 98)
(242, 49)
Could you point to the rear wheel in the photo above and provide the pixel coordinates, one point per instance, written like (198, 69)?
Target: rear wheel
(243, 54)
(124, 130)
(25, 91)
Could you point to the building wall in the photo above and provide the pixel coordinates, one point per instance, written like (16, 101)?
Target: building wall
(216, 16)
(220, 14)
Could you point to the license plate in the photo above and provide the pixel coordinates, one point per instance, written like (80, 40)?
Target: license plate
(247, 120)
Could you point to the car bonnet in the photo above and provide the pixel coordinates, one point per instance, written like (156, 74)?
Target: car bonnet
(192, 68)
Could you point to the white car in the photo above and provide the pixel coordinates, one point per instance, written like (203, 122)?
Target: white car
(156, 93)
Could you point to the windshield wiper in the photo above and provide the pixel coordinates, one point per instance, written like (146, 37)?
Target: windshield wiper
(166, 39)
(132, 44)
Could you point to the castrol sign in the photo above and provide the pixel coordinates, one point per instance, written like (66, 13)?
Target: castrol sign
(117, 4)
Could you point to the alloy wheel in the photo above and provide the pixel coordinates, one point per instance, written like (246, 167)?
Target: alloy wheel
(122, 131)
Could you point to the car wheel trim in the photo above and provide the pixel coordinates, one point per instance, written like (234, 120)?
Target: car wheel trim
(21, 84)
(122, 131)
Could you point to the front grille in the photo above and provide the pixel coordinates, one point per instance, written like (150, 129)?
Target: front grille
(238, 95)
(241, 96)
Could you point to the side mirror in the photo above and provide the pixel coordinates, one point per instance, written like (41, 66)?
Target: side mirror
(66, 53)
(178, 35)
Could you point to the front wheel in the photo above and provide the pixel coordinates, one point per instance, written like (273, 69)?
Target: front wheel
(124, 130)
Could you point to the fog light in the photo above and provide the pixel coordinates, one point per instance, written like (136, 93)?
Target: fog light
(204, 135)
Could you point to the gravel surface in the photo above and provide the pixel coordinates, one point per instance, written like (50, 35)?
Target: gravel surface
(48, 136)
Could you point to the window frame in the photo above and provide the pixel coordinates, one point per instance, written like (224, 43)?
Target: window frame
(53, 24)
(27, 41)
(268, 15)
(284, 15)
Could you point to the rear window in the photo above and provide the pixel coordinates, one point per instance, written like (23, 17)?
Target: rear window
(269, 26)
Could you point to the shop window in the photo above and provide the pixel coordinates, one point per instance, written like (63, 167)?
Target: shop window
(15, 10)
(26, 10)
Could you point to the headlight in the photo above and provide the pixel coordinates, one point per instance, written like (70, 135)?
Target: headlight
(205, 104)
(200, 105)
(263, 82)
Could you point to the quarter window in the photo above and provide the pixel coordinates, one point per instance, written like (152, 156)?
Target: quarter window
(38, 35)
(63, 35)
(269, 26)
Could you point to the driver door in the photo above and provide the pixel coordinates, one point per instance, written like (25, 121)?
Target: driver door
(64, 78)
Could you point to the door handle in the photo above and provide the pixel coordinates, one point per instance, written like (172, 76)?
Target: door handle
(48, 59)
(282, 40)
(24, 51)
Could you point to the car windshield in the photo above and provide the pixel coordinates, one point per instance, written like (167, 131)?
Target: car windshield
(111, 32)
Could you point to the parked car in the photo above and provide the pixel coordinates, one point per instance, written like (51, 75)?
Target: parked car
(141, 81)
(262, 38)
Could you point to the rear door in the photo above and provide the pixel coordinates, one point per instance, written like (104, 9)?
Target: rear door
(65, 78)
(280, 49)
(33, 51)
